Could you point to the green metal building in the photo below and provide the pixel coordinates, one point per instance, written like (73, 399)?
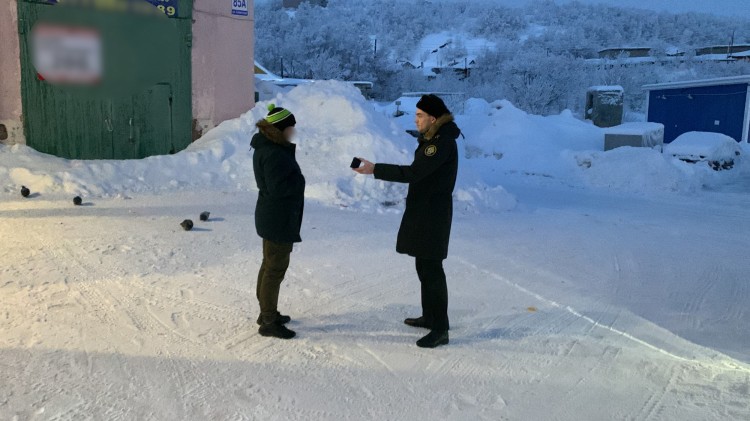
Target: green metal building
(110, 82)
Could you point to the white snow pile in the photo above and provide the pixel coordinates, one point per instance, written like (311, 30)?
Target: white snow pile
(638, 170)
(334, 122)
(648, 171)
(221, 166)
(501, 137)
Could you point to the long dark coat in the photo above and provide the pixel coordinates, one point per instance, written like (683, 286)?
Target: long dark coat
(426, 225)
(281, 185)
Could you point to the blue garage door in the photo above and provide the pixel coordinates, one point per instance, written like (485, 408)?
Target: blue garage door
(719, 109)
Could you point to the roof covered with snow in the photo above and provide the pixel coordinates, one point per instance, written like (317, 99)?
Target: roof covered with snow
(734, 80)
(263, 73)
(449, 50)
(604, 88)
(635, 128)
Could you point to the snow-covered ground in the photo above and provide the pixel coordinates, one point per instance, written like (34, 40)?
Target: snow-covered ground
(585, 285)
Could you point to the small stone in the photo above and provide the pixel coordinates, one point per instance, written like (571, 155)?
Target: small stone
(205, 215)
(77, 201)
(25, 192)
(187, 225)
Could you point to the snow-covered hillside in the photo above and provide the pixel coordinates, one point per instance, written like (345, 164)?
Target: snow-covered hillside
(549, 48)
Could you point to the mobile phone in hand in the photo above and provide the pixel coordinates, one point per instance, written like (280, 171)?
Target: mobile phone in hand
(356, 163)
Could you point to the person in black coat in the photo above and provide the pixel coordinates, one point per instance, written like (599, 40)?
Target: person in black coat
(278, 213)
(426, 224)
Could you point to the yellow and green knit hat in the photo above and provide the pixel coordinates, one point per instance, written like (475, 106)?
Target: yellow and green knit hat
(280, 117)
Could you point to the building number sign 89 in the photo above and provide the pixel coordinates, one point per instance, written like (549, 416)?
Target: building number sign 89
(168, 10)
(168, 7)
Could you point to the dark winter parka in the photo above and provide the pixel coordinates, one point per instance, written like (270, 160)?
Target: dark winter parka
(281, 197)
(426, 225)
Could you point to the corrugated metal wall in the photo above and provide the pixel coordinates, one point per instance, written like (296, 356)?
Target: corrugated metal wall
(66, 123)
(719, 109)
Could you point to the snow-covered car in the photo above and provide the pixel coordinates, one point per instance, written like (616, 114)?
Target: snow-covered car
(718, 150)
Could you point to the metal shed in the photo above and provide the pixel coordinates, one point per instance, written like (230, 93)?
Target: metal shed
(122, 79)
(72, 122)
(712, 105)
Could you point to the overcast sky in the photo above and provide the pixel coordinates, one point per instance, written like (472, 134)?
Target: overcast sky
(723, 7)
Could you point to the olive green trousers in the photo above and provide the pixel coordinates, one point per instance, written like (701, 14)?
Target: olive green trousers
(271, 274)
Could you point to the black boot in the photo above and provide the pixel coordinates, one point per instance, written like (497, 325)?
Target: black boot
(418, 322)
(280, 318)
(276, 330)
(434, 339)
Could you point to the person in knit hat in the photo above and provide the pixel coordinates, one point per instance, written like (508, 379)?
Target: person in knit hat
(426, 224)
(278, 212)
(281, 118)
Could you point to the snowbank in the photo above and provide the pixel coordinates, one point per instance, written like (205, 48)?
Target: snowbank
(647, 171)
(502, 140)
(638, 170)
(501, 137)
(335, 123)
(221, 166)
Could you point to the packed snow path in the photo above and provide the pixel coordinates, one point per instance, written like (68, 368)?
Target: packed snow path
(574, 306)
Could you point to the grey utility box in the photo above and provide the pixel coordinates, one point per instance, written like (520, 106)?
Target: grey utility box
(639, 135)
(604, 105)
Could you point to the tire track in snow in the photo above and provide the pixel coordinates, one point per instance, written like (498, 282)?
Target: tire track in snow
(653, 404)
(120, 309)
(90, 298)
(698, 299)
(608, 356)
(728, 364)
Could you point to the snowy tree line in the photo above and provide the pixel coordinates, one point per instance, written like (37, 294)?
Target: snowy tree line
(539, 62)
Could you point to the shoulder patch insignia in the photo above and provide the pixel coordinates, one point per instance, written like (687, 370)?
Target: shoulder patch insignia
(430, 150)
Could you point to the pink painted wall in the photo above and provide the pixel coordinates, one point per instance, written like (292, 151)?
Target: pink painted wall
(223, 65)
(10, 72)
